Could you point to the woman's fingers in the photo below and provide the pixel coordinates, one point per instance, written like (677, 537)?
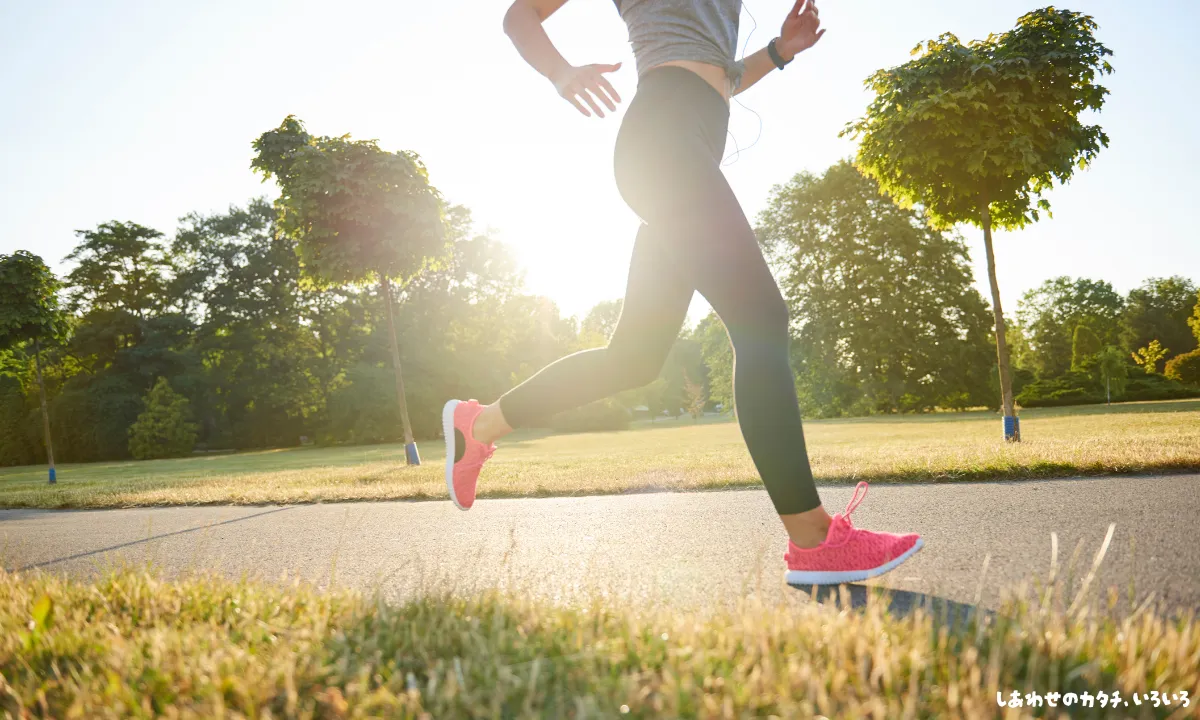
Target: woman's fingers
(587, 97)
(570, 96)
(599, 87)
(608, 88)
(587, 86)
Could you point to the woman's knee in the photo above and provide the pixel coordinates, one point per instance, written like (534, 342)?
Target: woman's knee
(765, 320)
(634, 365)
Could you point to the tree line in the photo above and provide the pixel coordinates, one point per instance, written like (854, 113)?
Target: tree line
(214, 338)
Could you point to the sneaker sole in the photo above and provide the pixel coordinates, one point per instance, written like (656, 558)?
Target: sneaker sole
(448, 433)
(805, 578)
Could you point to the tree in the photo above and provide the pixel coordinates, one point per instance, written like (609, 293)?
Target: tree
(1194, 320)
(1052, 312)
(976, 133)
(1113, 369)
(120, 266)
(240, 276)
(1185, 368)
(885, 315)
(163, 429)
(717, 354)
(1159, 310)
(695, 396)
(1084, 346)
(358, 214)
(29, 312)
(1149, 356)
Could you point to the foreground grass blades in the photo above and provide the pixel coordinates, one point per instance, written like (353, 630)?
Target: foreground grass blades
(135, 645)
(675, 455)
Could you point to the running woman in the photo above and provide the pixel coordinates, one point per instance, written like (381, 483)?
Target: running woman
(693, 237)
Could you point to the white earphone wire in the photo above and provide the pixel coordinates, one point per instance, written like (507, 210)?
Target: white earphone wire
(738, 151)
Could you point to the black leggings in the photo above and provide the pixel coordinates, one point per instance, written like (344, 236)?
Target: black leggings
(694, 237)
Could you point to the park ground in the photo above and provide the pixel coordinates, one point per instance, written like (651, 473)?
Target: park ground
(136, 641)
(683, 454)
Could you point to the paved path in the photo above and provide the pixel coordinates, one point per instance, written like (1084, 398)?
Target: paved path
(693, 549)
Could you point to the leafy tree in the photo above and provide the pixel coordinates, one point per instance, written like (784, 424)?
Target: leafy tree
(1185, 368)
(1159, 310)
(119, 266)
(1194, 320)
(885, 314)
(163, 429)
(241, 277)
(1149, 356)
(717, 354)
(696, 398)
(975, 133)
(1051, 313)
(357, 213)
(1113, 370)
(29, 312)
(1084, 347)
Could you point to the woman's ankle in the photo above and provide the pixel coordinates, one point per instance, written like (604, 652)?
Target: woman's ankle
(490, 425)
(807, 529)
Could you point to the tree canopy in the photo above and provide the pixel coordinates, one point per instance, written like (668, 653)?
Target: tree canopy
(356, 211)
(992, 122)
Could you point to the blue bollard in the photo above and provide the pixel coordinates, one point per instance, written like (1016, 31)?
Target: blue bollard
(1012, 429)
(53, 479)
(410, 451)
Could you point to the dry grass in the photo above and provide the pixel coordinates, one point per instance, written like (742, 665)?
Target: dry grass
(134, 645)
(1133, 438)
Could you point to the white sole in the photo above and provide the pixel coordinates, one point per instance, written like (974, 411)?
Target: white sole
(448, 433)
(804, 578)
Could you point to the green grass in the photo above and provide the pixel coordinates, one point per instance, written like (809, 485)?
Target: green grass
(133, 645)
(675, 455)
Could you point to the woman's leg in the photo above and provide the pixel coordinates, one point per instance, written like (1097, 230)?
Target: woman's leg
(655, 306)
(668, 171)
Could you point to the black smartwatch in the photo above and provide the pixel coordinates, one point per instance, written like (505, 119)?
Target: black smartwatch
(775, 58)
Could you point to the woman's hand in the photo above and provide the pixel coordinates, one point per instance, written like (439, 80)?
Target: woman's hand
(800, 31)
(585, 81)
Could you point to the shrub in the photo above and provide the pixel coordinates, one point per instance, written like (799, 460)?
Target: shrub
(602, 415)
(1078, 389)
(1157, 387)
(1185, 368)
(162, 430)
(1072, 388)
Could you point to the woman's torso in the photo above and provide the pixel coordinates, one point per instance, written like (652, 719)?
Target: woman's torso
(699, 35)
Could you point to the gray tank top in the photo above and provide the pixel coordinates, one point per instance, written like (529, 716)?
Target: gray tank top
(701, 30)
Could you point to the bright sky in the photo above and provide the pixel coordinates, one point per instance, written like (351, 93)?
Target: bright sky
(145, 111)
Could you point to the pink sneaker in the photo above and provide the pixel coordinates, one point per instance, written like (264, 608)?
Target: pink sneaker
(849, 554)
(464, 454)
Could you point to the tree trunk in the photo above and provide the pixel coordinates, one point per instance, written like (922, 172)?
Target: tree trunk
(37, 363)
(386, 288)
(1006, 394)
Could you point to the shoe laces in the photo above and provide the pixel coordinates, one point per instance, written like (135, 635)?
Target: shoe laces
(855, 500)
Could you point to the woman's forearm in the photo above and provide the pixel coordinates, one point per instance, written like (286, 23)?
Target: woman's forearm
(757, 67)
(524, 28)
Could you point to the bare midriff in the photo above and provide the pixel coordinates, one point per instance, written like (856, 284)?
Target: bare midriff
(712, 74)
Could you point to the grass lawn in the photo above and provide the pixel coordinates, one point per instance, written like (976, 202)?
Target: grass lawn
(133, 645)
(676, 455)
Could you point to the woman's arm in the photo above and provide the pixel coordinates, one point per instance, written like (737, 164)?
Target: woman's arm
(523, 25)
(801, 30)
